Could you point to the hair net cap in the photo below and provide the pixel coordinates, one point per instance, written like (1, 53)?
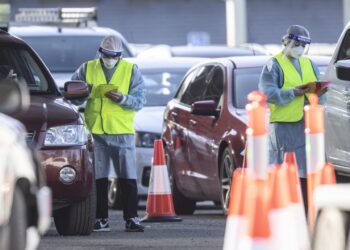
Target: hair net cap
(111, 46)
(297, 33)
(298, 30)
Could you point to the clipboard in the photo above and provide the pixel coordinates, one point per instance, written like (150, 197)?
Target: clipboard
(316, 87)
(102, 89)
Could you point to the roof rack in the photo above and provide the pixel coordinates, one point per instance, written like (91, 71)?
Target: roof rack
(57, 16)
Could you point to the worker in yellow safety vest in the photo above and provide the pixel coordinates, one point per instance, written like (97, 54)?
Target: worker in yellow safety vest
(281, 80)
(117, 91)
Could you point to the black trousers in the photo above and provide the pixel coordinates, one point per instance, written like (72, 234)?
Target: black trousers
(303, 185)
(128, 188)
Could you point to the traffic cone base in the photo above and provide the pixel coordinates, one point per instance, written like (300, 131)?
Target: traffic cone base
(160, 209)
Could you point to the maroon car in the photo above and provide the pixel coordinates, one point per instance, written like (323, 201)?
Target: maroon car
(57, 131)
(204, 128)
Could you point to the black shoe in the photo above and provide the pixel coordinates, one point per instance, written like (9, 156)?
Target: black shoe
(133, 225)
(101, 225)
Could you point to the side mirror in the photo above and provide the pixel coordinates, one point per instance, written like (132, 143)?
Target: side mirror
(206, 107)
(343, 69)
(14, 97)
(74, 90)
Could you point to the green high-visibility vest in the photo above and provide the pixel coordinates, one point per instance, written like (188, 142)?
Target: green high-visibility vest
(103, 116)
(293, 111)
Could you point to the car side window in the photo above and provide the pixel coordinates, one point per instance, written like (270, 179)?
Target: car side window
(196, 88)
(344, 50)
(215, 85)
(185, 82)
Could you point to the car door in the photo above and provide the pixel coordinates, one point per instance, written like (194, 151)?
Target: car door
(176, 121)
(337, 114)
(203, 133)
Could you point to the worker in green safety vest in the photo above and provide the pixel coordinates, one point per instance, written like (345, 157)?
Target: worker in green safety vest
(117, 91)
(281, 80)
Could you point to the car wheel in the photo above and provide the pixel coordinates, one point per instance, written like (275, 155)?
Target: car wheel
(330, 230)
(182, 204)
(114, 194)
(227, 166)
(78, 218)
(18, 221)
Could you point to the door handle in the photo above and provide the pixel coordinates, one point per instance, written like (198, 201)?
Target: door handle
(174, 114)
(193, 122)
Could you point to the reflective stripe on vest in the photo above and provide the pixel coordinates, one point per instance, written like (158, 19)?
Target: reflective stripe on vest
(293, 111)
(103, 116)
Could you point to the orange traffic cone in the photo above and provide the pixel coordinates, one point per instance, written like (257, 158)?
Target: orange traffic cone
(160, 199)
(258, 236)
(296, 205)
(327, 174)
(240, 208)
(282, 223)
(315, 149)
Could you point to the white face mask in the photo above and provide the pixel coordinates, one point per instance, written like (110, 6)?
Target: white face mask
(297, 52)
(109, 62)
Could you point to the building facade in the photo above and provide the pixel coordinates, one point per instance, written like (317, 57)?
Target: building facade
(177, 22)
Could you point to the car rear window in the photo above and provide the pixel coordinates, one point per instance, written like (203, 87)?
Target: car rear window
(66, 53)
(244, 82)
(161, 86)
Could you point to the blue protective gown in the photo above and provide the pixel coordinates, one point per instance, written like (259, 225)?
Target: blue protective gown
(284, 136)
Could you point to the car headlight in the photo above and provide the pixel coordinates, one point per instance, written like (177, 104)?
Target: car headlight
(146, 139)
(68, 135)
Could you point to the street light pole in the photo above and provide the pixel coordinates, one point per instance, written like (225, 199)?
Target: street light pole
(236, 22)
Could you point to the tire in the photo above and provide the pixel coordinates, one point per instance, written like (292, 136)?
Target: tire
(114, 194)
(227, 166)
(18, 221)
(78, 218)
(330, 230)
(182, 204)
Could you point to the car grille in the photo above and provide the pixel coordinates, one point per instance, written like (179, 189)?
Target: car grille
(30, 138)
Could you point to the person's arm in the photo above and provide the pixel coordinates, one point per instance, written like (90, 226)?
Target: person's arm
(270, 83)
(80, 73)
(136, 97)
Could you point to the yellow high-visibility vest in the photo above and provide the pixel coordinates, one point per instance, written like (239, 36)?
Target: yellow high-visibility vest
(293, 111)
(103, 116)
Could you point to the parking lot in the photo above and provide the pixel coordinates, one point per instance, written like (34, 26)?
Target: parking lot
(203, 230)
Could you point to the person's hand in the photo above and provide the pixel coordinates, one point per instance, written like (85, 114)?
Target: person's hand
(115, 96)
(301, 90)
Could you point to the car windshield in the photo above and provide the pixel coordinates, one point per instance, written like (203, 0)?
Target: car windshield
(19, 65)
(65, 53)
(245, 81)
(161, 86)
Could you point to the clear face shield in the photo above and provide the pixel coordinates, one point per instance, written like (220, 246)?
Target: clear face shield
(296, 46)
(108, 57)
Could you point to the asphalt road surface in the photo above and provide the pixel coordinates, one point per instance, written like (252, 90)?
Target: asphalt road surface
(203, 230)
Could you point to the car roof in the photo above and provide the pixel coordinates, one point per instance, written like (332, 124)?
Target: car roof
(42, 30)
(259, 61)
(211, 51)
(53, 31)
(166, 63)
(8, 38)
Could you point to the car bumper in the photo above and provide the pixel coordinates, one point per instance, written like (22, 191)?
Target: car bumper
(78, 158)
